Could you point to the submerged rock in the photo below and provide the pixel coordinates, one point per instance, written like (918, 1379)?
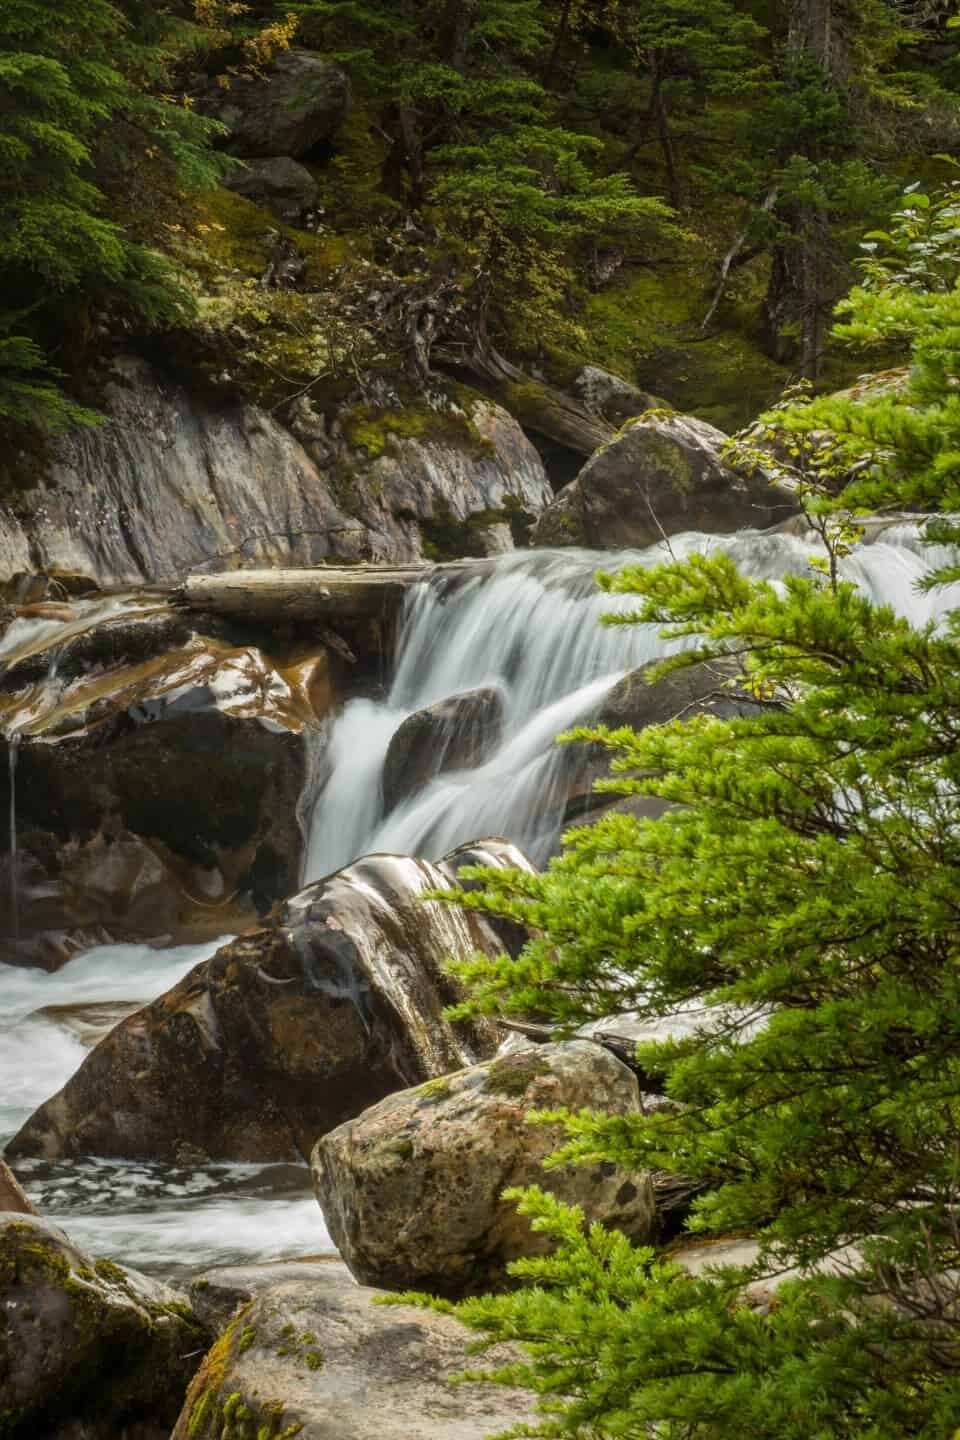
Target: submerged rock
(313, 1355)
(286, 1032)
(411, 1189)
(662, 474)
(454, 734)
(87, 1348)
(288, 107)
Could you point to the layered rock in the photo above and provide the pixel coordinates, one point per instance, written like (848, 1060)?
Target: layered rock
(286, 1032)
(87, 1347)
(287, 107)
(662, 474)
(412, 1189)
(175, 480)
(454, 734)
(312, 1354)
(152, 776)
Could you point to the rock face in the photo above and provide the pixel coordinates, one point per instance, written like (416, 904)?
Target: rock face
(12, 1195)
(659, 476)
(286, 1032)
(313, 1355)
(289, 108)
(153, 777)
(87, 1347)
(174, 481)
(453, 734)
(282, 185)
(411, 1189)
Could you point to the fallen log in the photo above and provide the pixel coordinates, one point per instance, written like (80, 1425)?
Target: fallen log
(357, 592)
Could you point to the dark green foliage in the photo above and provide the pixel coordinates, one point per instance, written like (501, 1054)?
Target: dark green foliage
(803, 892)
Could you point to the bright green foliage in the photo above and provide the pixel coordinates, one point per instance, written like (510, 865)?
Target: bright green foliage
(803, 894)
(80, 130)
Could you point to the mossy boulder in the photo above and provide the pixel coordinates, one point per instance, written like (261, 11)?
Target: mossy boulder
(412, 1189)
(286, 1032)
(661, 475)
(453, 734)
(86, 1346)
(313, 1355)
(284, 186)
(288, 107)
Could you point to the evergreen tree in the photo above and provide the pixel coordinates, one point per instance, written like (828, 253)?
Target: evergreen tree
(804, 890)
(81, 132)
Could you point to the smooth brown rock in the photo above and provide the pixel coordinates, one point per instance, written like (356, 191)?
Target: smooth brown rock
(87, 1348)
(285, 1032)
(411, 1189)
(313, 1354)
(12, 1195)
(660, 475)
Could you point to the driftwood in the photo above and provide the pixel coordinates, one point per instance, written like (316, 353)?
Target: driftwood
(357, 592)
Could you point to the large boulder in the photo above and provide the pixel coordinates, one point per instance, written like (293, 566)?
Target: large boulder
(87, 1348)
(454, 734)
(176, 479)
(151, 775)
(612, 397)
(289, 107)
(662, 474)
(285, 187)
(286, 1032)
(412, 1189)
(314, 1355)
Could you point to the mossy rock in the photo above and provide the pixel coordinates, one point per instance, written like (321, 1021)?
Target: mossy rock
(86, 1341)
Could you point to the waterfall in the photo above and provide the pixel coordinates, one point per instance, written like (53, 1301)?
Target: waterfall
(531, 627)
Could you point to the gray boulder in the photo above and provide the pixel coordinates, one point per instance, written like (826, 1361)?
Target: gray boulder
(612, 397)
(280, 184)
(87, 1348)
(286, 1032)
(661, 475)
(297, 102)
(313, 1355)
(412, 1189)
(454, 734)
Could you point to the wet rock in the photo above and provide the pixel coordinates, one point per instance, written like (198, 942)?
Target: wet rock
(283, 186)
(286, 1032)
(659, 476)
(612, 397)
(12, 1196)
(411, 1189)
(288, 108)
(454, 734)
(176, 481)
(87, 1348)
(314, 1354)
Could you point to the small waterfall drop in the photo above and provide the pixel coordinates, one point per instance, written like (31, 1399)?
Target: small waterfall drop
(531, 627)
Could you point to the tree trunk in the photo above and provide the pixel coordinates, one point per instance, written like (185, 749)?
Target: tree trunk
(661, 119)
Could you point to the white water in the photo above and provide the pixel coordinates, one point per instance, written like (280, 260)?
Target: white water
(532, 629)
(162, 1217)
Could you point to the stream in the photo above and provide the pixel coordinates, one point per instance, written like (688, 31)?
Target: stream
(530, 628)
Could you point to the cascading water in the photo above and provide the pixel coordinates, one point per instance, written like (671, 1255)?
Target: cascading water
(531, 628)
(13, 752)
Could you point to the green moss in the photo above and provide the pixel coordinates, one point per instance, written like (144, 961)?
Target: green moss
(308, 1338)
(370, 428)
(514, 1074)
(436, 1089)
(313, 1360)
(246, 1338)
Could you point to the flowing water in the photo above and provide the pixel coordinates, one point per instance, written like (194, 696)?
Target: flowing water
(532, 629)
(155, 1217)
(528, 626)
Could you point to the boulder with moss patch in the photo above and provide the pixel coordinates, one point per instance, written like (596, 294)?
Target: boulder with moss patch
(412, 1189)
(288, 107)
(313, 1355)
(661, 475)
(87, 1347)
